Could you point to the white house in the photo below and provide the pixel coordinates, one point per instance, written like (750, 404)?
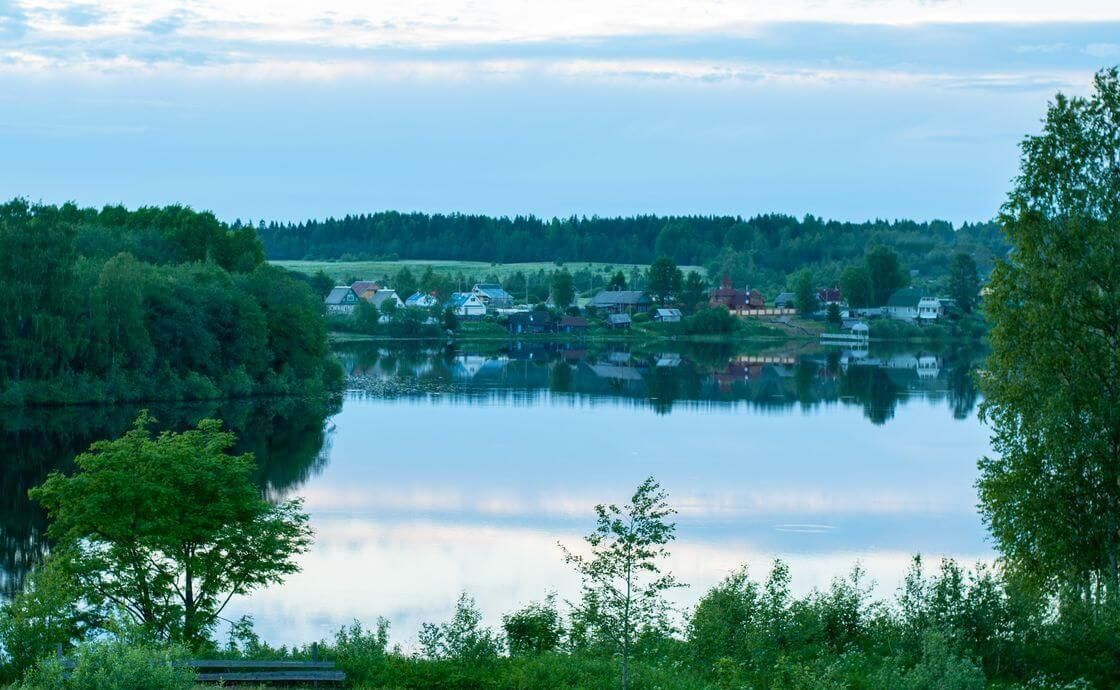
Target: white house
(493, 296)
(930, 309)
(467, 305)
(421, 300)
(381, 297)
(341, 300)
(667, 315)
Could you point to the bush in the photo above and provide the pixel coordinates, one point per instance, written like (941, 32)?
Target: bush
(535, 629)
(462, 638)
(115, 666)
(713, 320)
(641, 317)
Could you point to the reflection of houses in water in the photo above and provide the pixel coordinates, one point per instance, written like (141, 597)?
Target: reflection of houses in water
(667, 359)
(534, 369)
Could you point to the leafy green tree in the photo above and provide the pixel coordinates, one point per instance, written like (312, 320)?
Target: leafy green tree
(322, 283)
(535, 629)
(1051, 391)
(617, 281)
(45, 614)
(887, 274)
(623, 585)
(664, 279)
(855, 285)
(694, 291)
(463, 638)
(450, 320)
(964, 282)
(167, 529)
(405, 283)
(563, 291)
(832, 314)
(366, 317)
(804, 294)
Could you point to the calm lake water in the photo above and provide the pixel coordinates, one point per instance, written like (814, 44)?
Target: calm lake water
(459, 468)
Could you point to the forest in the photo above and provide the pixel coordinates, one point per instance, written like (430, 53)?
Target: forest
(762, 250)
(150, 304)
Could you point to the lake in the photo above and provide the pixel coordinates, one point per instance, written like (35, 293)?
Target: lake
(460, 468)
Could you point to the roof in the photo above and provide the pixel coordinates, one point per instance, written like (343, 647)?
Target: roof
(381, 296)
(418, 297)
(618, 319)
(574, 322)
(360, 286)
(458, 299)
(668, 312)
(338, 294)
(608, 298)
(493, 290)
(539, 317)
(906, 297)
(785, 297)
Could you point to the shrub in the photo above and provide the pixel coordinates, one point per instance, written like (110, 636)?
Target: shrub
(114, 666)
(713, 320)
(462, 638)
(535, 629)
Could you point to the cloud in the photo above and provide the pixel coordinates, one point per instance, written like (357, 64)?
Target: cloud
(81, 15)
(13, 21)
(1103, 50)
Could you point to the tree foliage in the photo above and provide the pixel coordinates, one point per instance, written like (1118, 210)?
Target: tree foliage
(964, 282)
(1051, 492)
(156, 304)
(886, 272)
(168, 528)
(665, 279)
(759, 251)
(623, 585)
(563, 290)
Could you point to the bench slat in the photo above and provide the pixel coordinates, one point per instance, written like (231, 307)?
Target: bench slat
(273, 675)
(254, 663)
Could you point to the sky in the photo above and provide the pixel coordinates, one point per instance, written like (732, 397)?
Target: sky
(287, 110)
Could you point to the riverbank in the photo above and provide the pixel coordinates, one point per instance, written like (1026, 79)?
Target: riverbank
(970, 329)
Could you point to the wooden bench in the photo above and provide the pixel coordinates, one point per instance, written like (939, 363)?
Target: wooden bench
(257, 670)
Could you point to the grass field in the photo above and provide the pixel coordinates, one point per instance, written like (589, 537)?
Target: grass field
(372, 270)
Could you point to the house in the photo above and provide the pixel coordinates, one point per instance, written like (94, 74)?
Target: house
(727, 296)
(538, 321)
(911, 304)
(828, 296)
(785, 300)
(574, 324)
(341, 300)
(493, 296)
(421, 300)
(667, 315)
(466, 305)
(619, 321)
(930, 309)
(382, 297)
(364, 289)
(621, 301)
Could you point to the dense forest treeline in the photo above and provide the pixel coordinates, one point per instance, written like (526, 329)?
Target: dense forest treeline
(152, 304)
(762, 250)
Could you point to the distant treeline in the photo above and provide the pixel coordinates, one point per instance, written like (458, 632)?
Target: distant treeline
(152, 304)
(759, 249)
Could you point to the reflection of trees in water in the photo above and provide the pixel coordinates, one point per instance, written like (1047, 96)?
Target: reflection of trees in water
(873, 388)
(697, 374)
(286, 437)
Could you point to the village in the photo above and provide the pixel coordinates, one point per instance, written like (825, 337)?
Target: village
(619, 310)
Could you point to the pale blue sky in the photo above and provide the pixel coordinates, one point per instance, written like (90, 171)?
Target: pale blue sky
(850, 109)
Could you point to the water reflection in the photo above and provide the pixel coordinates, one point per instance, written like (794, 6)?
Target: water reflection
(460, 467)
(693, 375)
(287, 437)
